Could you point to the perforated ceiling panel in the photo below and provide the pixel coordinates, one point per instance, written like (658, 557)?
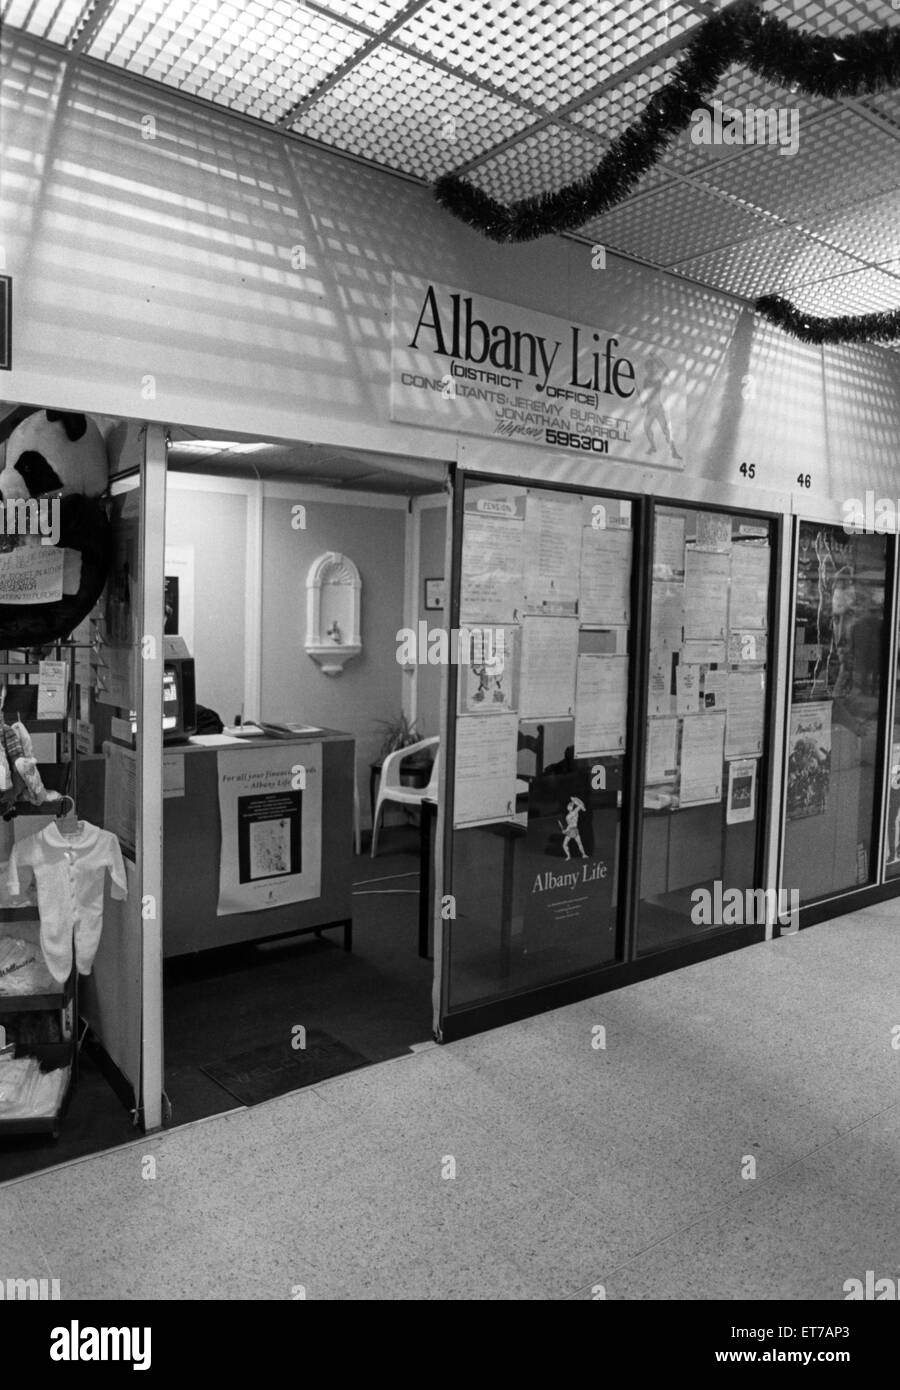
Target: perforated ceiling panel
(522, 96)
(543, 50)
(396, 109)
(257, 58)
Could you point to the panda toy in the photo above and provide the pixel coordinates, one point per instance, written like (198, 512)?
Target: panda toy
(52, 454)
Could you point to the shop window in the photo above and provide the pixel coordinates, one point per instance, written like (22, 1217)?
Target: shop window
(705, 733)
(835, 712)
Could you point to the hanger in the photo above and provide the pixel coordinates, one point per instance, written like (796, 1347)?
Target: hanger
(67, 819)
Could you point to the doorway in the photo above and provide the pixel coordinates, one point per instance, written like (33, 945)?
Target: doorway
(294, 573)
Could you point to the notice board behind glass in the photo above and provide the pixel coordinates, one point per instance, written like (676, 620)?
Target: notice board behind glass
(707, 721)
(542, 699)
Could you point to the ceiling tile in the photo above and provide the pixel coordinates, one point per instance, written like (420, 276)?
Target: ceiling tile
(668, 225)
(743, 92)
(861, 292)
(831, 17)
(399, 111)
(546, 51)
(48, 19)
(871, 229)
(765, 264)
(257, 58)
(373, 14)
(546, 159)
(842, 159)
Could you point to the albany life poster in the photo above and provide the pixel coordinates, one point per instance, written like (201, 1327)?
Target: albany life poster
(270, 805)
(461, 361)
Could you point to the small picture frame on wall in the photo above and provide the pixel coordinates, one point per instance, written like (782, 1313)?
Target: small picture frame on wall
(434, 593)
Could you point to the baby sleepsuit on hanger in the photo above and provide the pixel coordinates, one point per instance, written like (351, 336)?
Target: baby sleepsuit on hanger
(69, 871)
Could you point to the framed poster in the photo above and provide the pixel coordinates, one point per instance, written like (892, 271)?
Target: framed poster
(435, 593)
(809, 759)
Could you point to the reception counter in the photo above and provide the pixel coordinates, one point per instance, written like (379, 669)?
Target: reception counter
(192, 840)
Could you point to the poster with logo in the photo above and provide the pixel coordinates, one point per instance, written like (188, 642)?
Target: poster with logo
(568, 859)
(461, 361)
(270, 809)
(809, 759)
(488, 681)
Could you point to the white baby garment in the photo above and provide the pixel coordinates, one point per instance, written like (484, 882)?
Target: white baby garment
(69, 871)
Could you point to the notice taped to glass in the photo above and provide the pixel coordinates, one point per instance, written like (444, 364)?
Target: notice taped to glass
(270, 806)
(461, 361)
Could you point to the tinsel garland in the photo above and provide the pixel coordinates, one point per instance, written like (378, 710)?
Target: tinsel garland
(794, 58)
(858, 328)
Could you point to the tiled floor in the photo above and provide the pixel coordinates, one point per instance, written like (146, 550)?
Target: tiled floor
(627, 1166)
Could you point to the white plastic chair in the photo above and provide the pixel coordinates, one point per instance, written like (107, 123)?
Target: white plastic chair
(390, 788)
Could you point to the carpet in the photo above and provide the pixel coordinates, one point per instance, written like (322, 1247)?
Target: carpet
(274, 1069)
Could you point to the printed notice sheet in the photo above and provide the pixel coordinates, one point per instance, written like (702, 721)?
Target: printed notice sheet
(749, 586)
(687, 689)
(605, 577)
(713, 532)
(706, 575)
(492, 557)
(666, 615)
(746, 713)
(660, 699)
(552, 545)
(662, 750)
(547, 667)
(668, 547)
(485, 781)
(715, 690)
(601, 703)
(487, 682)
(702, 745)
(270, 808)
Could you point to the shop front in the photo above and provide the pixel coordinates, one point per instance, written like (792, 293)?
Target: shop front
(482, 630)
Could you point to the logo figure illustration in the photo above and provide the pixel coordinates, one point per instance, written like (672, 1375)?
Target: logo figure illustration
(570, 829)
(654, 406)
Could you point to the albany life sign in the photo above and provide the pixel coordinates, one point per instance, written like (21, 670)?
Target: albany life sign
(461, 361)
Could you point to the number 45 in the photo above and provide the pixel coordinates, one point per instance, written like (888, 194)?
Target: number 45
(748, 470)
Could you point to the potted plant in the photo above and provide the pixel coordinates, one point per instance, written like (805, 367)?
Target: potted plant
(400, 733)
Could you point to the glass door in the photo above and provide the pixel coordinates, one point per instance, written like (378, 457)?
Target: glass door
(540, 693)
(706, 724)
(836, 710)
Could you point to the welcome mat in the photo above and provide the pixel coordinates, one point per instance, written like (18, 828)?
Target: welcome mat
(274, 1069)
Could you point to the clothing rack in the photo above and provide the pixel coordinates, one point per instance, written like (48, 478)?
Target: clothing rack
(62, 1000)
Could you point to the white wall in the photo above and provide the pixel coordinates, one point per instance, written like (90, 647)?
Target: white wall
(153, 279)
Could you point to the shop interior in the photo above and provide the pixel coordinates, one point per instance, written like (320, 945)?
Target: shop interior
(290, 572)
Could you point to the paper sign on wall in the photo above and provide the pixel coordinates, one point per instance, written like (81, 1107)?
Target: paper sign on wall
(32, 574)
